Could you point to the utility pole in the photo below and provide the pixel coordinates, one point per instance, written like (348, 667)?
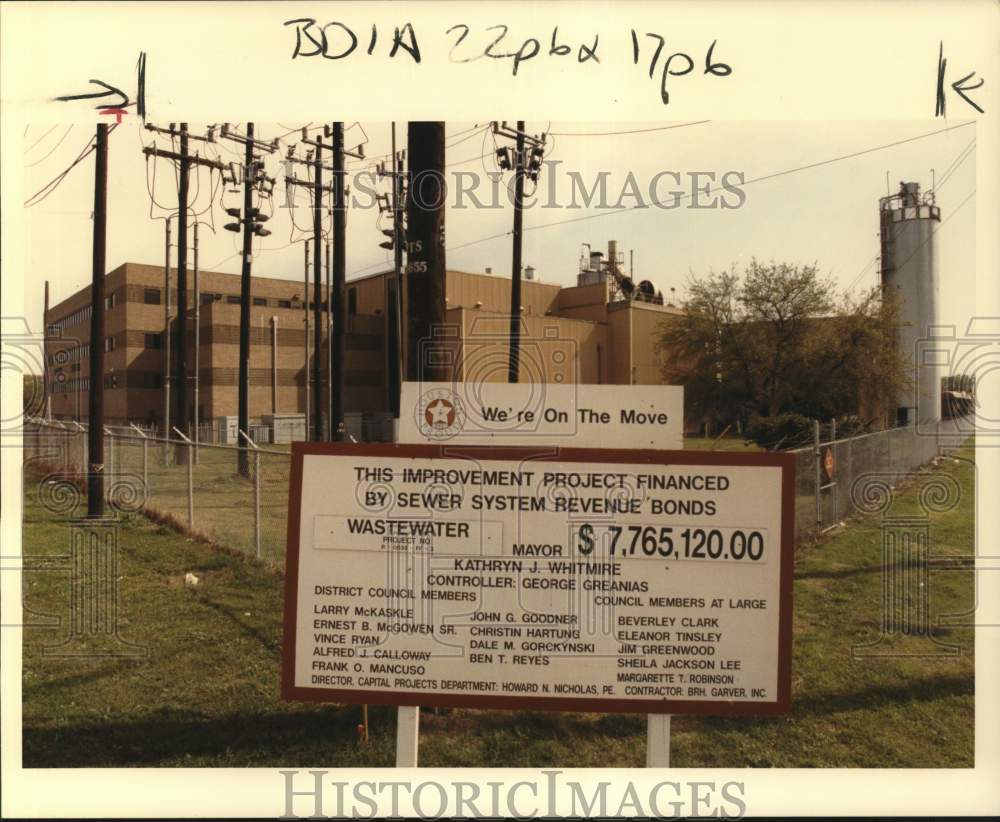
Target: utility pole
(185, 160)
(197, 344)
(251, 221)
(515, 266)
(181, 365)
(339, 309)
(396, 240)
(165, 342)
(328, 325)
(45, 359)
(399, 243)
(425, 269)
(305, 311)
(274, 365)
(244, 371)
(339, 248)
(315, 160)
(522, 168)
(317, 289)
(95, 416)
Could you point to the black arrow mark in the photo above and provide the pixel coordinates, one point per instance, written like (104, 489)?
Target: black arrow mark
(110, 90)
(958, 87)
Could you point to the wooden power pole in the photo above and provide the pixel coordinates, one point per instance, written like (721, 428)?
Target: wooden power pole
(524, 165)
(513, 365)
(243, 463)
(95, 415)
(180, 385)
(425, 280)
(184, 160)
(338, 307)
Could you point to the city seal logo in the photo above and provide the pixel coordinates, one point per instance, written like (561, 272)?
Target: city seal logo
(440, 414)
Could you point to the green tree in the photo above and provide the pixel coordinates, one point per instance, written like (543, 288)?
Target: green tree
(779, 339)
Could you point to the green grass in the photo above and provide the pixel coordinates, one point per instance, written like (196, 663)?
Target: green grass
(223, 499)
(207, 694)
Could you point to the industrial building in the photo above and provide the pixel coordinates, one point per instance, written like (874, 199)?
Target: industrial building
(602, 330)
(909, 254)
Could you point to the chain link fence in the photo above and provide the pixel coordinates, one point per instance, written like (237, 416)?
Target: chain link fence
(200, 488)
(827, 472)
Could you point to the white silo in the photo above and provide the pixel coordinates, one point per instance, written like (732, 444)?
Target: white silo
(908, 223)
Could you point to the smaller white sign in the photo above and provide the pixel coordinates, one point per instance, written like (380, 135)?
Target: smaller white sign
(584, 416)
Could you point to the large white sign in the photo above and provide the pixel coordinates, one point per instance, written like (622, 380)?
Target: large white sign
(595, 580)
(582, 416)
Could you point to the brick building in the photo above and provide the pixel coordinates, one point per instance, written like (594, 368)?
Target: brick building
(589, 333)
(135, 312)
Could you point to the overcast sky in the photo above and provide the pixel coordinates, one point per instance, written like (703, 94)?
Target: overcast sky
(826, 214)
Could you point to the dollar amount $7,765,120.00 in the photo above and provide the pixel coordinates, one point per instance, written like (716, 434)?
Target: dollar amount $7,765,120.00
(658, 541)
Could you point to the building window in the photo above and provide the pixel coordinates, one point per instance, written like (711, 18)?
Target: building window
(284, 303)
(260, 300)
(154, 341)
(232, 299)
(111, 301)
(109, 344)
(151, 296)
(352, 301)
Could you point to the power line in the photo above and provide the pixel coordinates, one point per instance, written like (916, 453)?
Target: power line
(69, 128)
(463, 139)
(53, 184)
(629, 131)
(862, 272)
(46, 134)
(953, 164)
(940, 225)
(716, 189)
(966, 153)
(291, 130)
(766, 177)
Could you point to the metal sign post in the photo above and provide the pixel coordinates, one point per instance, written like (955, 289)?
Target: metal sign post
(256, 490)
(658, 741)
(407, 735)
(190, 467)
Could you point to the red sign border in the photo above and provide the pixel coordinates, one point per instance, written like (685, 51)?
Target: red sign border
(784, 461)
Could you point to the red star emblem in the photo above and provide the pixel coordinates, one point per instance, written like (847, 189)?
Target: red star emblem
(440, 414)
